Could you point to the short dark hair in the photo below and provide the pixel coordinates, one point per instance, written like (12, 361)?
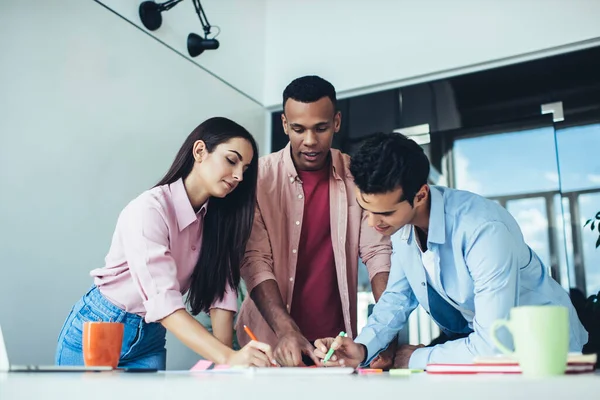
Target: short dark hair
(308, 89)
(386, 161)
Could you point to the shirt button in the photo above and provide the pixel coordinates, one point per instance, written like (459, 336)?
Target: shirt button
(300, 196)
(287, 306)
(297, 222)
(291, 179)
(294, 251)
(423, 283)
(193, 248)
(291, 279)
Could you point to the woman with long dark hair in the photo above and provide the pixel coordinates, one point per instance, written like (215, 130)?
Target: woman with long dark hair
(186, 234)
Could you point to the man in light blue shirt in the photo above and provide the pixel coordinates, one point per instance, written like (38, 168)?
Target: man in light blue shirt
(459, 255)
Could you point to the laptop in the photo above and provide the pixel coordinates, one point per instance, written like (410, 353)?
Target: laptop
(5, 365)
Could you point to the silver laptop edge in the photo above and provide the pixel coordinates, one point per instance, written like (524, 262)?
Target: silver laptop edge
(6, 367)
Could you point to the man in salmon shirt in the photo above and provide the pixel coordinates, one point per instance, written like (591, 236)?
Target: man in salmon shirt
(301, 262)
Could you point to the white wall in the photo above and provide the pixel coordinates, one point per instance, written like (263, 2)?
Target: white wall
(364, 46)
(92, 112)
(358, 44)
(240, 59)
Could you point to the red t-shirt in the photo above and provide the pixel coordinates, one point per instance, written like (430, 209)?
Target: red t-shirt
(316, 303)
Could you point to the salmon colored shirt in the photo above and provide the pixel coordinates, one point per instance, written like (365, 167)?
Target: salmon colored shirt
(272, 251)
(154, 251)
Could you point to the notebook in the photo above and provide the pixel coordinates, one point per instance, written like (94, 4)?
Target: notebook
(494, 369)
(572, 358)
(317, 371)
(205, 366)
(577, 363)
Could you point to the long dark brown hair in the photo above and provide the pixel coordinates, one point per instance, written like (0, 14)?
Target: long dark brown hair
(228, 220)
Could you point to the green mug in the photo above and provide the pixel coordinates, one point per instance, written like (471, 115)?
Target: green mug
(541, 338)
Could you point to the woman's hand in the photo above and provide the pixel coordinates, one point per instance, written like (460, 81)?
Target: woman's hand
(255, 354)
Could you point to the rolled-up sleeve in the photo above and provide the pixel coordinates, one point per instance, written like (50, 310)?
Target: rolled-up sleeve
(145, 238)
(374, 249)
(257, 265)
(229, 301)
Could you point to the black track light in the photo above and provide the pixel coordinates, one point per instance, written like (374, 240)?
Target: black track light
(150, 13)
(196, 44)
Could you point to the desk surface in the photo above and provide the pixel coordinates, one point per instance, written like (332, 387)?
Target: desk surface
(141, 386)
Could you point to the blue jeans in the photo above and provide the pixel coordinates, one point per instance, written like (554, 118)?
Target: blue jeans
(143, 343)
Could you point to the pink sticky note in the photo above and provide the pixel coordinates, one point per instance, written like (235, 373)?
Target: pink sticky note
(204, 365)
(201, 365)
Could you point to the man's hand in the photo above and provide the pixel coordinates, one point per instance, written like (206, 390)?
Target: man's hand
(347, 353)
(291, 346)
(385, 359)
(403, 355)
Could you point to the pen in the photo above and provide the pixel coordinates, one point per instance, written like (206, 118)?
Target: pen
(253, 337)
(249, 332)
(330, 352)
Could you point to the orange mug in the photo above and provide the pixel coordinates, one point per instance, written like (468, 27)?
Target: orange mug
(102, 342)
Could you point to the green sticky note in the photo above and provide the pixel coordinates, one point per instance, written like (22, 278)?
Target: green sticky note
(404, 371)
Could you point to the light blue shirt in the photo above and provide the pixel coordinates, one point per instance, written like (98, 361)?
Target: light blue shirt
(481, 266)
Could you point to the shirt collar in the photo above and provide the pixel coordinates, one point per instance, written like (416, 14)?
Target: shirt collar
(183, 208)
(437, 220)
(337, 163)
(405, 232)
(437, 217)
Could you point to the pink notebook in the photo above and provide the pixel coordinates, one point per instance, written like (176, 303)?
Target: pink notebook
(495, 368)
(577, 363)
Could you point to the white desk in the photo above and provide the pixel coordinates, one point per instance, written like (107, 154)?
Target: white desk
(184, 386)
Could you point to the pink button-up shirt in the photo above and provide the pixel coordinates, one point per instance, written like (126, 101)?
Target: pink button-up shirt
(154, 251)
(272, 251)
